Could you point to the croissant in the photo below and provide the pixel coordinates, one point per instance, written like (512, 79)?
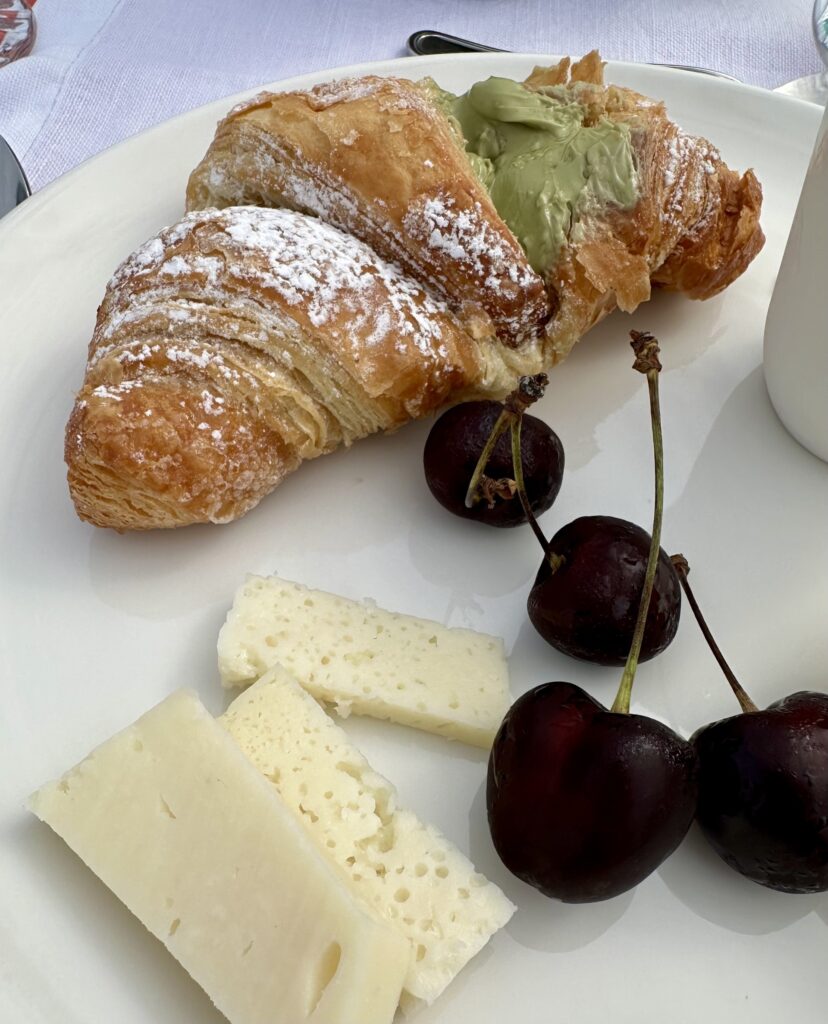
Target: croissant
(382, 160)
(344, 268)
(239, 343)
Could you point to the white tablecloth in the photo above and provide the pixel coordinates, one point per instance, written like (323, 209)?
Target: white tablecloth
(104, 69)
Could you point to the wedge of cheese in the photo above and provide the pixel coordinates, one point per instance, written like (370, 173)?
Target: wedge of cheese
(407, 871)
(202, 849)
(453, 682)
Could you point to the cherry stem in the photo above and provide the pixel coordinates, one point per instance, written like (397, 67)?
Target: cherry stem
(682, 567)
(528, 391)
(517, 464)
(501, 424)
(647, 362)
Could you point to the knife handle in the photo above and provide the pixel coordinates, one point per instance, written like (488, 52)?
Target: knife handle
(427, 43)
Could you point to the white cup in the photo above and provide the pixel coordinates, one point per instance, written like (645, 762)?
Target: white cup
(796, 330)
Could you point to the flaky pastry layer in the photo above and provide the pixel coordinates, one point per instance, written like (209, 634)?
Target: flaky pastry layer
(239, 343)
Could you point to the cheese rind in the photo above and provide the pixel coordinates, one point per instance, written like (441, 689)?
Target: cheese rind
(453, 682)
(406, 870)
(201, 848)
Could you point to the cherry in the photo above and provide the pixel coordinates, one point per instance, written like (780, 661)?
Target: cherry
(468, 459)
(763, 792)
(763, 783)
(584, 803)
(585, 595)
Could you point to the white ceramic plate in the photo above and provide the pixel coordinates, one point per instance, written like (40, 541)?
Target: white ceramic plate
(97, 627)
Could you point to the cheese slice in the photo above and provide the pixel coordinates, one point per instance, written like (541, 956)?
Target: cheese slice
(407, 871)
(453, 682)
(201, 848)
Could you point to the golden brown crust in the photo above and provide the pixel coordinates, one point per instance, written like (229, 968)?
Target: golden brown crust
(144, 463)
(239, 343)
(720, 247)
(376, 158)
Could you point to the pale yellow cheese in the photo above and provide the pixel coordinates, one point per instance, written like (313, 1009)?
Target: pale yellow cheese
(356, 656)
(410, 873)
(201, 848)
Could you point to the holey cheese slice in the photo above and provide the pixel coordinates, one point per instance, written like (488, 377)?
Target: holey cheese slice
(453, 682)
(407, 871)
(201, 848)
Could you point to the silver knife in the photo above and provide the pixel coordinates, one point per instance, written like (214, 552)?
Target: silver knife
(14, 187)
(427, 43)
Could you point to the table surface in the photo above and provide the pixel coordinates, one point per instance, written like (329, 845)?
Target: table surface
(102, 70)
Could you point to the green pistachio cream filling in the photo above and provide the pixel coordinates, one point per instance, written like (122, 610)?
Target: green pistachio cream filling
(544, 168)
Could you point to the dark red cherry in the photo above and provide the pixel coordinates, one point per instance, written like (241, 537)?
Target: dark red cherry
(585, 597)
(763, 781)
(455, 444)
(583, 802)
(763, 792)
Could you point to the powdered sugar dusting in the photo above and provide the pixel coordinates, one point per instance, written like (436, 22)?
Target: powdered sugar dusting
(147, 255)
(396, 94)
(212, 403)
(467, 238)
(318, 275)
(313, 264)
(320, 198)
(115, 391)
(690, 163)
(345, 89)
(257, 101)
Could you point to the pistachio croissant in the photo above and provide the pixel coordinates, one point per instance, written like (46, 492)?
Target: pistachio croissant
(383, 248)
